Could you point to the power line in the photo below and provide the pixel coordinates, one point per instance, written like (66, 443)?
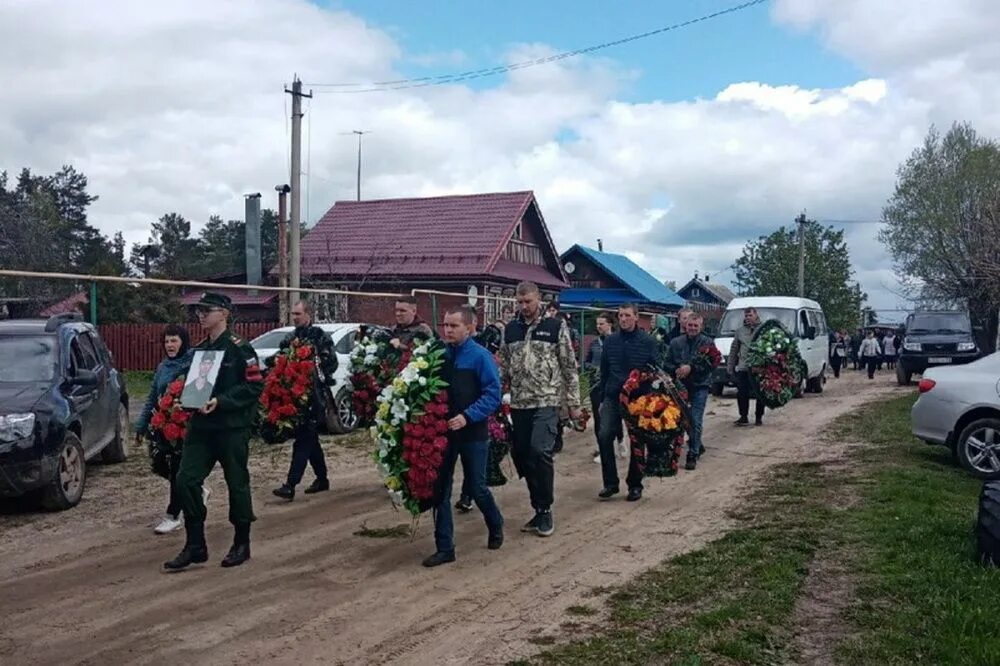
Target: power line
(423, 82)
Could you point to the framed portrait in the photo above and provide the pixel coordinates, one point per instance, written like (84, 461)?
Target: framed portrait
(200, 381)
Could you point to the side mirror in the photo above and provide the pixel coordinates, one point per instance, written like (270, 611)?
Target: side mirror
(84, 379)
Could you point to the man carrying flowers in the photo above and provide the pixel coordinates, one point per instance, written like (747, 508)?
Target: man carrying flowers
(473, 395)
(691, 358)
(314, 345)
(631, 348)
(738, 368)
(538, 363)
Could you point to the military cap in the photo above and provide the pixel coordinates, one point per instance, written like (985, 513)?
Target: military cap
(212, 299)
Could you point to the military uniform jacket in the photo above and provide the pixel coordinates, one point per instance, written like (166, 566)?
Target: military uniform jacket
(418, 330)
(740, 348)
(538, 361)
(237, 388)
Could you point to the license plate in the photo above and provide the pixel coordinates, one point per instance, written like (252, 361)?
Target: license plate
(939, 359)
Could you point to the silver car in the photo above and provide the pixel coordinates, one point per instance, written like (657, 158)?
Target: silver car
(959, 407)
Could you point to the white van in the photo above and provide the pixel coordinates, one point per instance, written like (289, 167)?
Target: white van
(803, 318)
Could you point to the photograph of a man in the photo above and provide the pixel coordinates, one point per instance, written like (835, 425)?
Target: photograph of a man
(201, 378)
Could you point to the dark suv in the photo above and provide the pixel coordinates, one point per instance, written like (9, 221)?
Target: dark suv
(932, 339)
(62, 403)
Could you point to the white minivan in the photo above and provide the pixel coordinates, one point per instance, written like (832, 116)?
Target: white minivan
(802, 317)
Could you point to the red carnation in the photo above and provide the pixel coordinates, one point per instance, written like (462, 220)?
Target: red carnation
(165, 402)
(176, 387)
(179, 416)
(158, 419)
(172, 432)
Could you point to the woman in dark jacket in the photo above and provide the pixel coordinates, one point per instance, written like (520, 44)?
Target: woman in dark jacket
(177, 347)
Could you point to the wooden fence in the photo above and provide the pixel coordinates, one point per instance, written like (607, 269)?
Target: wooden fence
(140, 346)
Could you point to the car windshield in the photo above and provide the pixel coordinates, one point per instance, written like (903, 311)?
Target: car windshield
(733, 319)
(269, 340)
(27, 358)
(939, 322)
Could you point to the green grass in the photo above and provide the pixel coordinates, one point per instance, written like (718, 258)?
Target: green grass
(898, 514)
(394, 532)
(137, 383)
(581, 611)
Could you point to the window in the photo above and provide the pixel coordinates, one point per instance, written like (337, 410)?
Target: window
(345, 345)
(27, 359)
(695, 292)
(803, 323)
(102, 353)
(733, 319)
(819, 321)
(517, 231)
(81, 357)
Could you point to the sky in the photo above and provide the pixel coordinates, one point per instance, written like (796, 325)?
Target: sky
(675, 150)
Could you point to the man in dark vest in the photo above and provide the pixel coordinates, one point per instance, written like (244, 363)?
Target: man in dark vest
(473, 395)
(631, 348)
(307, 449)
(409, 326)
(220, 433)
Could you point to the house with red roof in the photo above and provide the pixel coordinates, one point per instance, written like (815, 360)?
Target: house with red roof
(480, 245)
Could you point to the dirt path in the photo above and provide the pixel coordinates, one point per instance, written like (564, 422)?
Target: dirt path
(85, 586)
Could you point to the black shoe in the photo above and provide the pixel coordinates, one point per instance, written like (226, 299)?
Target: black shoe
(607, 493)
(496, 539)
(634, 495)
(463, 505)
(692, 463)
(238, 554)
(758, 421)
(742, 421)
(317, 486)
(285, 492)
(190, 555)
(439, 558)
(546, 526)
(702, 450)
(531, 525)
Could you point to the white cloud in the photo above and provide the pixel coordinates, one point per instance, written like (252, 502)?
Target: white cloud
(179, 107)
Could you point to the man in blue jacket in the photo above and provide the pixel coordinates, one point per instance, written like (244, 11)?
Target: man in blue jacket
(631, 348)
(473, 395)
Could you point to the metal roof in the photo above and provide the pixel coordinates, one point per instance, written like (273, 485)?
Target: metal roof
(644, 287)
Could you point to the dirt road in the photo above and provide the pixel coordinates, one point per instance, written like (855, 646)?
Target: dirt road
(85, 586)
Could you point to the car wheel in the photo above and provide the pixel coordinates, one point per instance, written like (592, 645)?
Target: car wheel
(988, 524)
(340, 415)
(903, 377)
(717, 389)
(117, 450)
(979, 448)
(66, 486)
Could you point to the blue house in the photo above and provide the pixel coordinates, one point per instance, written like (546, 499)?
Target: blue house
(602, 279)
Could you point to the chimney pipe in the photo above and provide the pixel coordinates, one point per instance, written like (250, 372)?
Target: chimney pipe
(600, 245)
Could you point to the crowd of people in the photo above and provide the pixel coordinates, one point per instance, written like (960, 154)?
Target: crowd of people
(867, 349)
(532, 353)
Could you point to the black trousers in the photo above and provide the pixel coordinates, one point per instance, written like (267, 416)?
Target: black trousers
(606, 442)
(534, 436)
(835, 362)
(744, 391)
(307, 450)
(871, 362)
(174, 504)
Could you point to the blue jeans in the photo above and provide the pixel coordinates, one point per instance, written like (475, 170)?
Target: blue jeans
(474, 457)
(699, 399)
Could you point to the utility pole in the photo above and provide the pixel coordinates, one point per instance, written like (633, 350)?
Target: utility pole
(801, 222)
(360, 133)
(283, 309)
(295, 182)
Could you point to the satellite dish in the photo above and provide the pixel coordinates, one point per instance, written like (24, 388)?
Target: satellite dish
(570, 267)
(473, 292)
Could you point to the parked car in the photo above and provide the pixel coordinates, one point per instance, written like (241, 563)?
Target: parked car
(340, 415)
(933, 339)
(62, 404)
(803, 318)
(959, 407)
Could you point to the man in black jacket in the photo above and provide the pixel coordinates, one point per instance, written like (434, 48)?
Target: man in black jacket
(696, 377)
(629, 349)
(307, 449)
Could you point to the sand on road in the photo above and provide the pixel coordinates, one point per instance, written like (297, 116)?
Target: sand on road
(85, 586)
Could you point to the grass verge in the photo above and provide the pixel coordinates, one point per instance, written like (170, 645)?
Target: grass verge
(899, 515)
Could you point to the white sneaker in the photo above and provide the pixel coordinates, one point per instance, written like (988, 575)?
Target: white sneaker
(168, 525)
(205, 494)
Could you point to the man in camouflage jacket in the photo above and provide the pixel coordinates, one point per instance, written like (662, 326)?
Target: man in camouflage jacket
(537, 360)
(409, 327)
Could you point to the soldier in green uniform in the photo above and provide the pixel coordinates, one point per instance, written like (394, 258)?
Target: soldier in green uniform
(220, 433)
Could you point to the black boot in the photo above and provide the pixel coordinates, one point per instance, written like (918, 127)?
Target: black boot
(240, 552)
(285, 492)
(691, 463)
(317, 486)
(195, 551)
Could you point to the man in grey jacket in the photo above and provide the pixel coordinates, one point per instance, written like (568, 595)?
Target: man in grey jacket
(737, 367)
(682, 363)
